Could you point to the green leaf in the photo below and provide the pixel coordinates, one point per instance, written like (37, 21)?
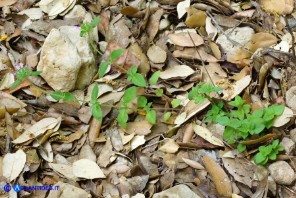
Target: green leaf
(94, 93)
(130, 94)
(15, 84)
(176, 102)
(95, 22)
(224, 120)
(259, 158)
(68, 97)
(229, 135)
(122, 118)
(258, 113)
(102, 69)
(259, 127)
(97, 112)
(151, 116)
(57, 95)
(159, 92)
(238, 102)
(275, 143)
(139, 80)
(279, 109)
(153, 79)
(35, 73)
(115, 54)
(142, 101)
(166, 116)
(241, 147)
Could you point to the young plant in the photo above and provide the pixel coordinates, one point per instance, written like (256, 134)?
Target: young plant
(88, 27)
(267, 153)
(22, 74)
(202, 91)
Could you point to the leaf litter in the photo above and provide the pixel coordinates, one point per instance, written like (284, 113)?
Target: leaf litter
(168, 148)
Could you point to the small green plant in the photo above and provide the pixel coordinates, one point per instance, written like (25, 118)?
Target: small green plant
(88, 27)
(202, 91)
(268, 152)
(22, 74)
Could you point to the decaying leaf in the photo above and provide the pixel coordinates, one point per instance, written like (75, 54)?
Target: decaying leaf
(13, 164)
(277, 6)
(178, 71)
(183, 39)
(169, 147)
(139, 128)
(207, 135)
(87, 169)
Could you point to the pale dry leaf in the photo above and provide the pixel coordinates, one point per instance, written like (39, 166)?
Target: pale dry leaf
(183, 39)
(180, 119)
(207, 135)
(38, 129)
(211, 29)
(67, 190)
(7, 81)
(13, 164)
(47, 153)
(193, 164)
(215, 49)
(32, 13)
(181, 8)
(284, 118)
(178, 71)
(138, 127)
(156, 54)
(137, 141)
(180, 190)
(87, 169)
(7, 2)
(126, 138)
(55, 7)
(64, 170)
(169, 147)
(197, 54)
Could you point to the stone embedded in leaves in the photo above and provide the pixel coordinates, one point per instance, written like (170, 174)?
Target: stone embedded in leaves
(153, 79)
(130, 94)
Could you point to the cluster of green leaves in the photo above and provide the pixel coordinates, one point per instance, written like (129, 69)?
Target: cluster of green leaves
(88, 27)
(115, 54)
(23, 74)
(202, 91)
(268, 152)
(240, 123)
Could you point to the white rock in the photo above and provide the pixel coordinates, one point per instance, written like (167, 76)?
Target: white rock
(282, 173)
(241, 35)
(67, 61)
(293, 134)
(156, 54)
(288, 145)
(291, 97)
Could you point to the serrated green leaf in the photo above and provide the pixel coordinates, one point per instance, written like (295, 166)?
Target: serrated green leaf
(176, 102)
(122, 118)
(57, 95)
(130, 94)
(159, 92)
(116, 54)
(142, 101)
(259, 158)
(97, 112)
(102, 69)
(154, 78)
(139, 80)
(238, 102)
(279, 109)
(15, 84)
(229, 135)
(94, 93)
(151, 116)
(95, 22)
(166, 116)
(69, 97)
(224, 120)
(241, 147)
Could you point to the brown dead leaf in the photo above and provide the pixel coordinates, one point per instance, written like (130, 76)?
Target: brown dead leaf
(129, 11)
(153, 24)
(277, 6)
(184, 40)
(7, 2)
(197, 19)
(169, 147)
(139, 127)
(191, 53)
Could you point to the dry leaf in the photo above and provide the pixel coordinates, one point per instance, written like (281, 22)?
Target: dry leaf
(137, 141)
(38, 129)
(181, 8)
(139, 127)
(211, 29)
(284, 118)
(277, 6)
(64, 170)
(197, 19)
(156, 54)
(207, 135)
(180, 190)
(169, 147)
(193, 163)
(87, 169)
(7, 2)
(191, 53)
(178, 71)
(183, 39)
(13, 164)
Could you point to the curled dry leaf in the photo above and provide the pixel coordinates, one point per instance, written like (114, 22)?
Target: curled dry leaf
(184, 40)
(207, 135)
(220, 178)
(193, 163)
(13, 164)
(87, 169)
(38, 129)
(181, 8)
(178, 71)
(284, 118)
(211, 29)
(169, 147)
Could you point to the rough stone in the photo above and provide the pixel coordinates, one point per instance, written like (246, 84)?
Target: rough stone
(241, 35)
(67, 61)
(282, 173)
(288, 145)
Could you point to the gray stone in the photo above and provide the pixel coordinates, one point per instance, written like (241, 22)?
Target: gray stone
(288, 145)
(282, 173)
